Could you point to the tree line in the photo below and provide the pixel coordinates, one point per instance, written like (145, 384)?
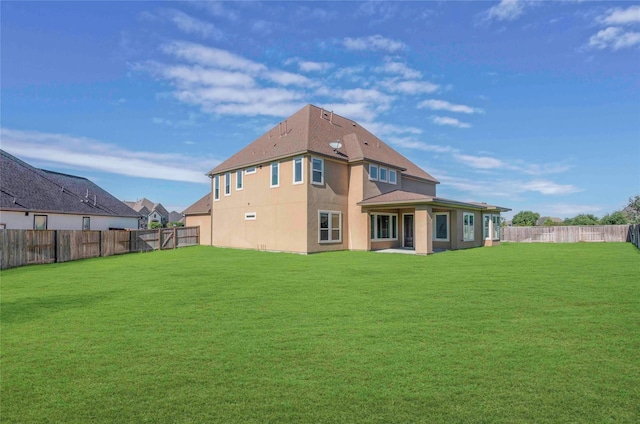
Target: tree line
(628, 215)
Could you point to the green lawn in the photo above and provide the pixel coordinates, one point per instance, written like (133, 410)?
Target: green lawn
(520, 333)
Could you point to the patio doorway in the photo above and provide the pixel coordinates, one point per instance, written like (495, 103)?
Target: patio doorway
(407, 230)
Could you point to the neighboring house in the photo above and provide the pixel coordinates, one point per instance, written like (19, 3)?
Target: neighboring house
(176, 217)
(320, 182)
(543, 219)
(32, 198)
(199, 215)
(149, 212)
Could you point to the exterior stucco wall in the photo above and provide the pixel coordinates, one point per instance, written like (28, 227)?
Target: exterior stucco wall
(375, 188)
(421, 187)
(359, 229)
(280, 213)
(333, 195)
(56, 221)
(204, 222)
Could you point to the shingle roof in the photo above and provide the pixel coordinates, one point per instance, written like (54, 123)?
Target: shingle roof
(146, 206)
(311, 129)
(175, 216)
(26, 188)
(201, 207)
(400, 197)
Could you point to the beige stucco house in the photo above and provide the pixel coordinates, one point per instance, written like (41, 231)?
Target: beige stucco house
(319, 182)
(199, 215)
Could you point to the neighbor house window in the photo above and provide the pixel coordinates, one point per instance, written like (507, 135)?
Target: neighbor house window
(383, 174)
(86, 223)
(298, 170)
(227, 184)
(329, 227)
(251, 170)
(239, 181)
(39, 222)
(441, 232)
(250, 216)
(384, 226)
(317, 171)
(216, 187)
(393, 177)
(373, 172)
(467, 226)
(275, 174)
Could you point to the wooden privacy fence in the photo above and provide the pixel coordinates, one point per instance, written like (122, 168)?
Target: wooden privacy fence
(634, 234)
(568, 234)
(26, 247)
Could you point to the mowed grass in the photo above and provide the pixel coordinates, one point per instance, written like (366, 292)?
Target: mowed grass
(518, 333)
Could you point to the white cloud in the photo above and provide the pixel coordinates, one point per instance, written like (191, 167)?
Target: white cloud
(409, 87)
(445, 120)
(354, 110)
(374, 43)
(411, 143)
(506, 10)
(549, 187)
(288, 78)
(186, 76)
(86, 153)
(614, 38)
(480, 162)
(434, 104)
(617, 16)
(192, 25)
(381, 130)
(391, 67)
(308, 66)
(211, 56)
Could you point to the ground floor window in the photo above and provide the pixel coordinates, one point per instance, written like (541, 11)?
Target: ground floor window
(468, 226)
(491, 231)
(329, 227)
(40, 222)
(384, 226)
(441, 224)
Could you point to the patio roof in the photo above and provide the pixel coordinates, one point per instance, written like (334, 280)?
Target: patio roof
(406, 198)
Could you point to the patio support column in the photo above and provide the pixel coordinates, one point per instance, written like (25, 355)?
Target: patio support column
(424, 230)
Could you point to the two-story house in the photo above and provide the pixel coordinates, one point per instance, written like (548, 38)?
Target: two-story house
(149, 212)
(320, 182)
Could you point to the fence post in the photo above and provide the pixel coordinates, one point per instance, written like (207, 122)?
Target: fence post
(175, 237)
(160, 238)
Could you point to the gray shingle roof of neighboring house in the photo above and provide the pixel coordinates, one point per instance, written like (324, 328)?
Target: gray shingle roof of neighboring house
(201, 207)
(543, 219)
(310, 130)
(145, 206)
(175, 216)
(26, 188)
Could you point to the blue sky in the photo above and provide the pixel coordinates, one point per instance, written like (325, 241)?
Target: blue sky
(530, 105)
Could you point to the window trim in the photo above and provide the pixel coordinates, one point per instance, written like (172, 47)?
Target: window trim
(299, 159)
(250, 216)
(372, 166)
(46, 222)
(277, 166)
(435, 230)
(227, 184)
(395, 176)
(216, 188)
(250, 170)
(375, 215)
(321, 161)
(472, 225)
(239, 180)
(88, 218)
(330, 229)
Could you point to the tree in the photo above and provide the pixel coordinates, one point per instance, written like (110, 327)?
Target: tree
(155, 225)
(582, 219)
(633, 209)
(549, 222)
(525, 219)
(615, 218)
(175, 224)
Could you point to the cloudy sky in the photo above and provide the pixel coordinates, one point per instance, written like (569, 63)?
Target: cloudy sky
(532, 105)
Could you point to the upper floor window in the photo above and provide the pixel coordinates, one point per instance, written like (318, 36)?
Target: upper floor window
(373, 172)
(393, 176)
(298, 170)
(275, 174)
(216, 187)
(251, 170)
(317, 172)
(239, 180)
(227, 184)
(383, 175)
(468, 226)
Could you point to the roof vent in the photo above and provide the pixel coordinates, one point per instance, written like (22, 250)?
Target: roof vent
(365, 142)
